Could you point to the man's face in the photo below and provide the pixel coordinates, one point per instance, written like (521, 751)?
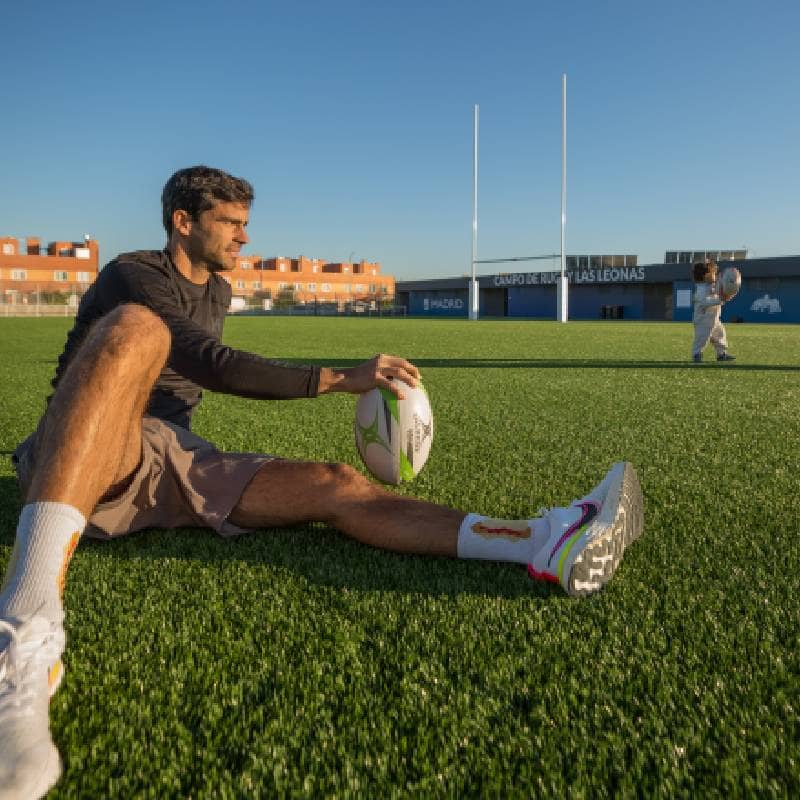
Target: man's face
(217, 236)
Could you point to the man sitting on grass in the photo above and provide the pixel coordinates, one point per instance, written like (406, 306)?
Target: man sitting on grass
(114, 453)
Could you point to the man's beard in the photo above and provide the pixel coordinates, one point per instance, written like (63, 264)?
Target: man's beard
(213, 264)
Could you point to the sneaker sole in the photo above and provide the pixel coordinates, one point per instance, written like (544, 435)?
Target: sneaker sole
(620, 522)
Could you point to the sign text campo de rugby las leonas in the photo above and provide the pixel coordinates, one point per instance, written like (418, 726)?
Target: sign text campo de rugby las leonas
(602, 275)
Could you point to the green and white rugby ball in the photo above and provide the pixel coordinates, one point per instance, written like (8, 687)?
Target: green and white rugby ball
(394, 436)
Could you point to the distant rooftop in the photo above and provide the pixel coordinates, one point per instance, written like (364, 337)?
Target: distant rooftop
(693, 256)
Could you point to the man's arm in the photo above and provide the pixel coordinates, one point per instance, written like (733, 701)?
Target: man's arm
(382, 371)
(198, 355)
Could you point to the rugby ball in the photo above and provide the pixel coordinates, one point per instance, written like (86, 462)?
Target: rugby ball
(730, 281)
(393, 436)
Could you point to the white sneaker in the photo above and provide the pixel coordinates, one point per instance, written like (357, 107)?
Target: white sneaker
(29, 761)
(588, 538)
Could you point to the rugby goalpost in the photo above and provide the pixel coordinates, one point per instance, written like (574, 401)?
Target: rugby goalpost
(562, 286)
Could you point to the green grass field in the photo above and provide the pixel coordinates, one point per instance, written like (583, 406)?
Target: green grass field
(297, 663)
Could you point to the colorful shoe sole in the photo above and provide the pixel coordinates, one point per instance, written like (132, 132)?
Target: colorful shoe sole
(619, 523)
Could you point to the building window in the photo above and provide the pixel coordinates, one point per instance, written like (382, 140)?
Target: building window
(312, 287)
(60, 276)
(282, 267)
(8, 249)
(326, 287)
(359, 287)
(298, 287)
(65, 251)
(245, 265)
(283, 285)
(240, 285)
(19, 275)
(315, 268)
(84, 277)
(256, 284)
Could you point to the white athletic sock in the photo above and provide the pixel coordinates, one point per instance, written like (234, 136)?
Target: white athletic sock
(47, 535)
(501, 539)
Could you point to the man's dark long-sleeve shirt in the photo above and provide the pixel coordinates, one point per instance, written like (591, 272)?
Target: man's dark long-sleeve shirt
(194, 315)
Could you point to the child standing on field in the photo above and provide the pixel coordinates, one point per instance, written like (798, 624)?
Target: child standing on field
(706, 316)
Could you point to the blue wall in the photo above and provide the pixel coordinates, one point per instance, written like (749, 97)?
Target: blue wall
(584, 302)
(759, 300)
(539, 301)
(765, 300)
(438, 303)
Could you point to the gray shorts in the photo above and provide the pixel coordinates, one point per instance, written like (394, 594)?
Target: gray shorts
(182, 481)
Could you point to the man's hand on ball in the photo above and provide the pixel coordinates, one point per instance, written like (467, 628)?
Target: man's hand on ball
(382, 371)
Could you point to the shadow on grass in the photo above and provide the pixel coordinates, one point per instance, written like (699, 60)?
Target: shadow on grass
(559, 363)
(316, 553)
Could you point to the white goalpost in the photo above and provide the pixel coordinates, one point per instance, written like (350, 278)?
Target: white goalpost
(474, 295)
(563, 284)
(562, 288)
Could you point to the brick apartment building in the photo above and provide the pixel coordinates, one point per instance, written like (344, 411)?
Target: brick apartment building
(61, 272)
(305, 280)
(31, 273)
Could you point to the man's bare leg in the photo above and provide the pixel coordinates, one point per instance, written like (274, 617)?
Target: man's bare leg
(90, 437)
(578, 546)
(291, 492)
(89, 440)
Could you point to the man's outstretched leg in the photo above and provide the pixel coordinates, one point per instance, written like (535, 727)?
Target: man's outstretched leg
(579, 546)
(88, 441)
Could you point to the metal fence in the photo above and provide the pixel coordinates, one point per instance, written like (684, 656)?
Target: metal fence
(320, 310)
(15, 303)
(34, 309)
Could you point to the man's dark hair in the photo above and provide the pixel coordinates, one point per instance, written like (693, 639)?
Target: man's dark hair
(196, 189)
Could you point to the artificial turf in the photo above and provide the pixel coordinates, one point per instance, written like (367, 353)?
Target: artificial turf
(298, 663)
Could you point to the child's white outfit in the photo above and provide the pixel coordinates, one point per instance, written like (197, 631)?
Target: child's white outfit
(706, 317)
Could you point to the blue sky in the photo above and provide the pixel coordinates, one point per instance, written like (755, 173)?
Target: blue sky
(354, 122)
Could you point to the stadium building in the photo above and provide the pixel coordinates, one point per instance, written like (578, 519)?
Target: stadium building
(59, 273)
(617, 287)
